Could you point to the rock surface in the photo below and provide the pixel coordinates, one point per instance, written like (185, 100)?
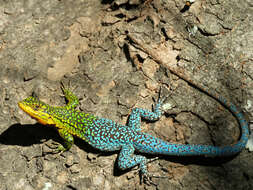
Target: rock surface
(85, 42)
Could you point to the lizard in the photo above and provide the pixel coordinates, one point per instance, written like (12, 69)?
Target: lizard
(107, 135)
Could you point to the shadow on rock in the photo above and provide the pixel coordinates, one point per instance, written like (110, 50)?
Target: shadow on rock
(27, 135)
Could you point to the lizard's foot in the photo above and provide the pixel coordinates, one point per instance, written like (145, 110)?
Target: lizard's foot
(163, 105)
(71, 98)
(68, 89)
(147, 178)
(57, 148)
(161, 98)
(160, 101)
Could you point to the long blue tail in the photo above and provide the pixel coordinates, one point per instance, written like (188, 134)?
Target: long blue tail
(148, 144)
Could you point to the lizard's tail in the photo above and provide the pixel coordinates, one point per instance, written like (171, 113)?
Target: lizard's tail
(149, 144)
(175, 149)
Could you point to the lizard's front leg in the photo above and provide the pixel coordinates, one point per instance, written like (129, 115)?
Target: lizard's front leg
(73, 101)
(68, 140)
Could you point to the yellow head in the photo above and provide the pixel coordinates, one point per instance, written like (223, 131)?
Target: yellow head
(37, 110)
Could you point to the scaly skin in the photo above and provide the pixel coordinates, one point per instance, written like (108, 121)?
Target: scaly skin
(107, 135)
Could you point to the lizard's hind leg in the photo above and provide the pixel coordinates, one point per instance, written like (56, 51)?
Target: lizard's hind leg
(127, 159)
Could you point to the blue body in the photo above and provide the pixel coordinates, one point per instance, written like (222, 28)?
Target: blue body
(107, 135)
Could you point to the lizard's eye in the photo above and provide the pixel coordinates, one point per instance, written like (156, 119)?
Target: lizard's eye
(36, 107)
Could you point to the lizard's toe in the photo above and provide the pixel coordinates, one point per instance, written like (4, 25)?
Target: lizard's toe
(147, 178)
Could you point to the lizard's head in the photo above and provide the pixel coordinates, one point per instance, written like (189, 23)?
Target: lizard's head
(36, 109)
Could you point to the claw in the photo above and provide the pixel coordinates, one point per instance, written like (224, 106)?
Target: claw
(159, 93)
(147, 178)
(62, 86)
(158, 107)
(66, 89)
(161, 99)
